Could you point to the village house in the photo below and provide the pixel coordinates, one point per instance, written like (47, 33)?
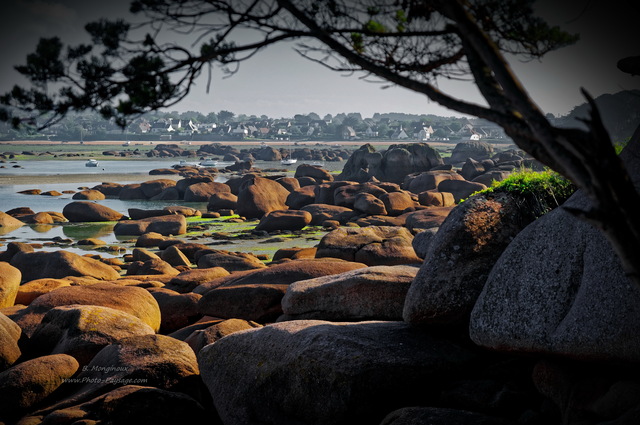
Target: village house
(174, 126)
(399, 134)
(240, 132)
(369, 133)
(207, 127)
(424, 133)
(158, 127)
(144, 126)
(348, 133)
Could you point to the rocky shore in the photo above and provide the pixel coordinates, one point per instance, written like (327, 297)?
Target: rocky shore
(421, 303)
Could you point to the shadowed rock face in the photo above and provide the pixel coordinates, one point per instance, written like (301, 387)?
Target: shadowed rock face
(134, 404)
(30, 382)
(370, 293)
(560, 289)
(155, 360)
(460, 257)
(257, 294)
(333, 372)
(392, 165)
(9, 336)
(472, 149)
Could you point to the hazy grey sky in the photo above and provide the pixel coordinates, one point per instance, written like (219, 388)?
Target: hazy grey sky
(279, 83)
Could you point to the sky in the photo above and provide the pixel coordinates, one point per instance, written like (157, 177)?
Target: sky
(279, 83)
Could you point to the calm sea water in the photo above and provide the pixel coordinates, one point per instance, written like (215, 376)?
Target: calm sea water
(10, 198)
(77, 166)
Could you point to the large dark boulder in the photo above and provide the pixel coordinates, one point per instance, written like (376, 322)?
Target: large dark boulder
(284, 220)
(259, 196)
(135, 301)
(322, 212)
(109, 189)
(314, 171)
(230, 261)
(9, 335)
(460, 256)
(559, 289)
(10, 278)
(370, 293)
(392, 165)
(57, 264)
(89, 195)
(428, 180)
(25, 385)
(300, 197)
(324, 372)
(472, 149)
(131, 192)
(374, 245)
(80, 211)
(183, 184)
(153, 188)
(172, 224)
(268, 153)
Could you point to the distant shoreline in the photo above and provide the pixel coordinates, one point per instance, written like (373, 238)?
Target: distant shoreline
(319, 144)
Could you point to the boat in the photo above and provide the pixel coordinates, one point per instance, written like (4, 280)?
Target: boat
(91, 163)
(183, 163)
(209, 163)
(288, 160)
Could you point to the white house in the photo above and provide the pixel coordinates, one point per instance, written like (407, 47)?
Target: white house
(240, 131)
(425, 133)
(171, 128)
(348, 133)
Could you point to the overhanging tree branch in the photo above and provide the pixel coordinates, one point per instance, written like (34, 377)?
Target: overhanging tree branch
(412, 44)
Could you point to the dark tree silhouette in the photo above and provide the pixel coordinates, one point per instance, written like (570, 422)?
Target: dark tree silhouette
(409, 43)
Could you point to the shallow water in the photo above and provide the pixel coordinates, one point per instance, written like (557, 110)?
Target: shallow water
(133, 166)
(76, 166)
(10, 198)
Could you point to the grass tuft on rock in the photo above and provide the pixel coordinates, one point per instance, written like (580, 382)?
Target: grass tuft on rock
(541, 190)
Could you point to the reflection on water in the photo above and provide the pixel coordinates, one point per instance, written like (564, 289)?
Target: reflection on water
(74, 231)
(80, 231)
(125, 238)
(41, 228)
(50, 234)
(5, 230)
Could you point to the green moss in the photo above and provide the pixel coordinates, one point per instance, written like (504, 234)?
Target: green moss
(541, 190)
(618, 146)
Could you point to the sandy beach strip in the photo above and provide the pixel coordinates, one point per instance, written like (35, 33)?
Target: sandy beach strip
(82, 178)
